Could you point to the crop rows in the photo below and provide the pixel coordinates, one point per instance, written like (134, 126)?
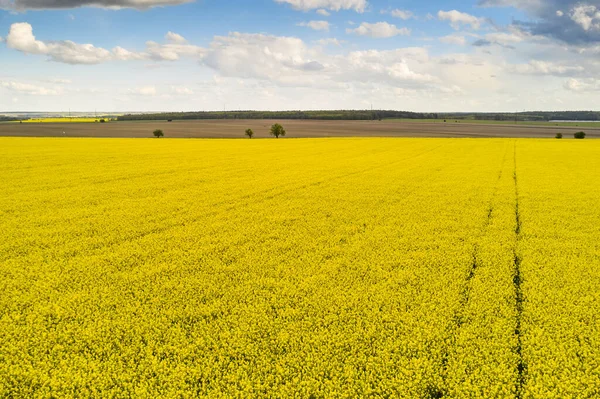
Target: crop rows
(418, 268)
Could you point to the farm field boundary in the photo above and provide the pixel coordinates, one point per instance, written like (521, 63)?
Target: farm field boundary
(295, 129)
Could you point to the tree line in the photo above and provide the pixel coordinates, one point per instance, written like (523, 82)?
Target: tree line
(321, 115)
(539, 116)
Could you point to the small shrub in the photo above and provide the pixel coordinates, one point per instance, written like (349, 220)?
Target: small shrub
(102, 121)
(580, 135)
(158, 133)
(249, 133)
(558, 135)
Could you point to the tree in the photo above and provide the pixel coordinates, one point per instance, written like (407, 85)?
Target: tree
(102, 121)
(158, 133)
(580, 135)
(249, 133)
(558, 135)
(277, 130)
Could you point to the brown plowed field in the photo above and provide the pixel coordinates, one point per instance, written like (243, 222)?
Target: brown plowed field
(295, 128)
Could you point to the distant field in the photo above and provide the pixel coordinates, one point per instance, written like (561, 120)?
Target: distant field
(317, 268)
(581, 125)
(62, 120)
(232, 128)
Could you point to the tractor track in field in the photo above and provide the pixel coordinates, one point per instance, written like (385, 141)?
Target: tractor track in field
(518, 281)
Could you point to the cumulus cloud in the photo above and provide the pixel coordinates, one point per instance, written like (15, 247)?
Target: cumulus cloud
(174, 38)
(505, 38)
(379, 30)
(175, 48)
(323, 12)
(571, 21)
(459, 19)
(316, 25)
(391, 67)
(398, 13)
(22, 5)
(29, 89)
(546, 68)
(288, 61)
(587, 16)
(181, 91)
(277, 58)
(332, 5)
(454, 39)
(582, 85)
(21, 38)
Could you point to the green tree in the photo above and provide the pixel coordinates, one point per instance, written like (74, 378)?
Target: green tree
(277, 130)
(249, 133)
(158, 133)
(558, 135)
(580, 135)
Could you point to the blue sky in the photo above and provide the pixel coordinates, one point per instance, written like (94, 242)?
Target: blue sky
(171, 55)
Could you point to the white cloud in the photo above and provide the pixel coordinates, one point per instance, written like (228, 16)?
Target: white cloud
(275, 58)
(402, 14)
(316, 25)
(181, 90)
(174, 38)
(332, 5)
(289, 62)
(559, 13)
(458, 19)
(582, 85)
(172, 51)
(587, 16)
(22, 5)
(454, 39)
(546, 68)
(503, 38)
(391, 67)
(148, 91)
(21, 38)
(379, 30)
(121, 54)
(323, 12)
(29, 89)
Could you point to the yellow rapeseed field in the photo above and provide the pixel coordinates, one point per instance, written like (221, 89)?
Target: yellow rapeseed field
(299, 268)
(64, 119)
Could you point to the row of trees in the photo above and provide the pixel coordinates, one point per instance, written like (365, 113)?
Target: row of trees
(276, 131)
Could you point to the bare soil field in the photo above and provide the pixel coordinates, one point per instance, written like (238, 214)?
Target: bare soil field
(294, 128)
